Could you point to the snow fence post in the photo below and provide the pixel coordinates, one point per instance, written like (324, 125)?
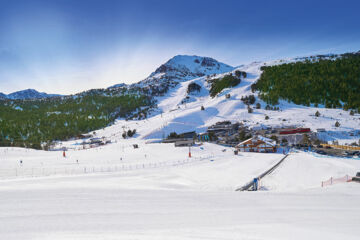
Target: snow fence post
(255, 184)
(331, 180)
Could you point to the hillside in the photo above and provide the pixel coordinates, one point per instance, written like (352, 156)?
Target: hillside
(36, 123)
(333, 83)
(32, 119)
(180, 111)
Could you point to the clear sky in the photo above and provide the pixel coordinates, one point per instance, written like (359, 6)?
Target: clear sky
(66, 46)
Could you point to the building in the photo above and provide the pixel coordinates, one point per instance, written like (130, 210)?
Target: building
(257, 144)
(183, 139)
(294, 131)
(184, 142)
(188, 135)
(223, 127)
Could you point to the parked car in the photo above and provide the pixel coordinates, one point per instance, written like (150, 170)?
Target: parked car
(321, 152)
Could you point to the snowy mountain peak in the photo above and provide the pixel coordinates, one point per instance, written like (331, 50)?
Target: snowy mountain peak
(28, 94)
(184, 67)
(181, 68)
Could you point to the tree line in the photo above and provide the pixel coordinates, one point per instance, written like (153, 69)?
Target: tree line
(36, 123)
(332, 83)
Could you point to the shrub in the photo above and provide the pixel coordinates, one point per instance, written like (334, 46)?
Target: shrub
(248, 100)
(131, 133)
(275, 138)
(173, 135)
(239, 73)
(192, 87)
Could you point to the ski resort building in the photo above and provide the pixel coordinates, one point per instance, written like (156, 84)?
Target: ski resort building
(294, 131)
(257, 144)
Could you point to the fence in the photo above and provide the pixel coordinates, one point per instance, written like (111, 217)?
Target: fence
(344, 147)
(11, 173)
(333, 181)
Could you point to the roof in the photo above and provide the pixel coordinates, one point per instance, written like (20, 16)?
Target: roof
(261, 138)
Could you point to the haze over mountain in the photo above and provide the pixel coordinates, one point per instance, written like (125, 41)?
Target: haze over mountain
(27, 94)
(177, 69)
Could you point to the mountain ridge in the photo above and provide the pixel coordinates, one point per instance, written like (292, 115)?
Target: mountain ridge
(27, 94)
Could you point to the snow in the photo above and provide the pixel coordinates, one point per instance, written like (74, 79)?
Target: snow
(189, 201)
(157, 192)
(173, 197)
(172, 115)
(307, 170)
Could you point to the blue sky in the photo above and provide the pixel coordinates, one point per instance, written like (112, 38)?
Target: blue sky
(67, 46)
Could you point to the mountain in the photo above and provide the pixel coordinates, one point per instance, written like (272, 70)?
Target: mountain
(179, 69)
(177, 97)
(120, 85)
(27, 94)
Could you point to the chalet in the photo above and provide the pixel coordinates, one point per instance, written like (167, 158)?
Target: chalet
(257, 144)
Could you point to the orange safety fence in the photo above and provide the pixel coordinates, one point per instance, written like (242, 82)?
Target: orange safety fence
(333, 181)
(345, 147)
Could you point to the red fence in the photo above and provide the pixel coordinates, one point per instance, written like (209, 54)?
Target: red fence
(333, 181)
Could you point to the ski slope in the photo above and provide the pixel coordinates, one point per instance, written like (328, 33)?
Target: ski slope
(188, 201)
(157, 192)
(303, 171)
(175, 114)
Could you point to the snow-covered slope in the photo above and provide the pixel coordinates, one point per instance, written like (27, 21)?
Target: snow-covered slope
(181, 112)
(156, 192)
